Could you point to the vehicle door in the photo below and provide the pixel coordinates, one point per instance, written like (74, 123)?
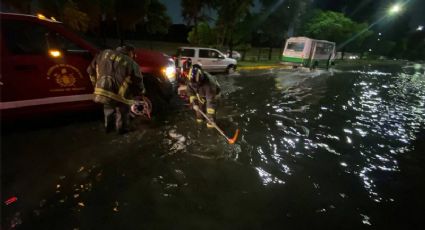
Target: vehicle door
(220, 62)
(206, 60)
(66, 74)
(22, 63)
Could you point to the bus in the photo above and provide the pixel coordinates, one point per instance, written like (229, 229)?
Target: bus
(308, 52)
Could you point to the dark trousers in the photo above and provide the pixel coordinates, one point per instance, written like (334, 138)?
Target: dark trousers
(118, 113)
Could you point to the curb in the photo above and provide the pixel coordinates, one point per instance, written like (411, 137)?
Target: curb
(262, 67)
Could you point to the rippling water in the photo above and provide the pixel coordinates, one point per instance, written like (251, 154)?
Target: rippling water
(339, 149)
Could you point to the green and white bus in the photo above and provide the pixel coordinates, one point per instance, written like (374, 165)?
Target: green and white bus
(307, 52)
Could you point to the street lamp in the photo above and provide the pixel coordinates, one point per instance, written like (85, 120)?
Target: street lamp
(395, 9)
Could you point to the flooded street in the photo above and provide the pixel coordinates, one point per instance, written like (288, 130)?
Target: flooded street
(338, 150)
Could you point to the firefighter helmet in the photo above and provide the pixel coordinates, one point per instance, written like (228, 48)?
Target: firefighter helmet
(196, 74)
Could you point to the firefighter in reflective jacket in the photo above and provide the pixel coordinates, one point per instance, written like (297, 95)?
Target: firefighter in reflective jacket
(203, 90)
(117, 80)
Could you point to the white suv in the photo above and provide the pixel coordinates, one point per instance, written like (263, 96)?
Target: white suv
(211, 60)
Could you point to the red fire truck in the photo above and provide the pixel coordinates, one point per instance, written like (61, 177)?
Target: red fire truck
(43, 68)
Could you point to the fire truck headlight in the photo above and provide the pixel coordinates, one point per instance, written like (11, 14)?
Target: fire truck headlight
(170, 72)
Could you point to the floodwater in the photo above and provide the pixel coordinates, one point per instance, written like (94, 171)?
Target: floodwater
(318, 150)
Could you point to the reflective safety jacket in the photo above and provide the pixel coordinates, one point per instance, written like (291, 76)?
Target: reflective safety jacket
(116, 77)
(204, 94)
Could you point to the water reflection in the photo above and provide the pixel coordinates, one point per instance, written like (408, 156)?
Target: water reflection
(316, 143)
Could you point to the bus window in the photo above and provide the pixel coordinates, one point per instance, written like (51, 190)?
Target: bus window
(324, 48)
(297, 47)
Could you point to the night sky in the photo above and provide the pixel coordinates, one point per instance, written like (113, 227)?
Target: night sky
(174, 10)
(415, 8)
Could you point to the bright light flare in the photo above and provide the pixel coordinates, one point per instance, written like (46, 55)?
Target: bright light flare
(395, 9)
(41, 16)
(55, 53)
(170, 72)
(420, 28)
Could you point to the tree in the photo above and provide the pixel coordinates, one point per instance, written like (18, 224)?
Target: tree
(230, 13)
(23, 6)
(157, 20)
(280, 19)
(74, 17)
(333, 26)
(193, 12)
(204, 36)
(415, 49)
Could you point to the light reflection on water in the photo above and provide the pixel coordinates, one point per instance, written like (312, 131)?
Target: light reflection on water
(328, 137)
(366, 124)
(385, 106)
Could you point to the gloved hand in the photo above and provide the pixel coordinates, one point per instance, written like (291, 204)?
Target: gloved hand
(195, 107)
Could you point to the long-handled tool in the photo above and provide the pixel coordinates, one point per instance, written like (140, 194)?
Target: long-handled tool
(229, 140)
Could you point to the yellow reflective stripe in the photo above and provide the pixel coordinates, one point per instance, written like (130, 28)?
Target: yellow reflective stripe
(113, 96)
(210, 111)
(200, 99)
(124, 86)
(210, 125)
(93, 79)
(199, 120)
(191, 99)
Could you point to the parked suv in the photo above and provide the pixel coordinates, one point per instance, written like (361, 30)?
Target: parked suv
(209, 59)
(43, 68)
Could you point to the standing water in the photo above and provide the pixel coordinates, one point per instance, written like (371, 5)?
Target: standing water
(324, 150)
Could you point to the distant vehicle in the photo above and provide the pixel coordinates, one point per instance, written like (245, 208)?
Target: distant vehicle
(235, 55)
(43, 68)
(211, 60)
(307, 52)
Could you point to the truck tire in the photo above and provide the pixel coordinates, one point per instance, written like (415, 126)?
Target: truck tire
(154, 93)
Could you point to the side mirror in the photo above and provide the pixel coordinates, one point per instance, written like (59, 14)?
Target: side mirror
(221, 57)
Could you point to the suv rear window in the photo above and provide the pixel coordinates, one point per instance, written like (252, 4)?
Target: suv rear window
(204, 53)
(186, 53)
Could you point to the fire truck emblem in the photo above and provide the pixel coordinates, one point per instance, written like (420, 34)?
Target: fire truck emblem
(64, 75)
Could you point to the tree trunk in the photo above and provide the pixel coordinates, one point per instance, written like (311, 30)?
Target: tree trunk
(195, 23)
(231, 45)
(259, 54)
(270, 52)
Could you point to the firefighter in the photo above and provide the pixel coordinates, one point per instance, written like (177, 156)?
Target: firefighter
(184, 72)
(117, 81)
(203, 90)
(186, 67)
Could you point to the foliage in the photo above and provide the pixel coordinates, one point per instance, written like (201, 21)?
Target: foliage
(333, 26)
(230, 13)
(204, 35)
(157, 19)
(279, 19)
(415, 47)
(193, 12)
(74, 17)
(23, 6)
